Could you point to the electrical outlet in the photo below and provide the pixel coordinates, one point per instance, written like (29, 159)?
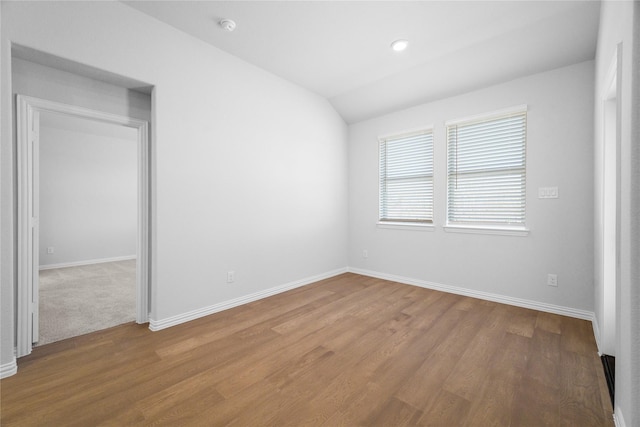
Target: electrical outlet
(231, 276)
(50, 250)
(552, 279)
(365, 253)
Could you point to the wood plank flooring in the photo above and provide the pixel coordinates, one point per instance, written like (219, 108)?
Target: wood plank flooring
(346, 351)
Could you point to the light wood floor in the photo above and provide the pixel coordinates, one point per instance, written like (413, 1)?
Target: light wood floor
(349, 351)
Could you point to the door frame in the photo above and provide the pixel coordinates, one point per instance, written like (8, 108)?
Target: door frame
(610, 187)
(27, 123)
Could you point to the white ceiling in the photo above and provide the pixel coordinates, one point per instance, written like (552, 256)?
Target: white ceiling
(340, 49)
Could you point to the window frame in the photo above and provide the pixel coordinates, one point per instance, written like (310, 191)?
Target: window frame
(513, 229)
(421, 225)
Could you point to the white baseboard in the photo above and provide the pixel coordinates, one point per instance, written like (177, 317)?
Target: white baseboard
(8, 369)
(156, 325)
(596, 333)
(519, 302)
(86, 262)
(618, 419)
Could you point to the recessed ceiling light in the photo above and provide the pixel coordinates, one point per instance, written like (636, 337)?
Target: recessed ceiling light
(399, 45)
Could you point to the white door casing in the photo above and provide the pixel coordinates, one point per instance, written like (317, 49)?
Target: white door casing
(28, 113)
(610, 208)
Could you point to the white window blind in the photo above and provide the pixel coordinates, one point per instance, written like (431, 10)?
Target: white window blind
(406, 178)
(487, 170)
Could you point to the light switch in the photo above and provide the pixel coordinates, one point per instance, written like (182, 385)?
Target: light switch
(547, 192)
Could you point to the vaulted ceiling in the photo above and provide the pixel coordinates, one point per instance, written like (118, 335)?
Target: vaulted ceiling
(341, 49)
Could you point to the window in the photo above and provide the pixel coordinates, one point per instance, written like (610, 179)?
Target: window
(487, 170)
(406, 178)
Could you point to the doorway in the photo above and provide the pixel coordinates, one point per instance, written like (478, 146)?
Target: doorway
(30, 113)
(87, 226)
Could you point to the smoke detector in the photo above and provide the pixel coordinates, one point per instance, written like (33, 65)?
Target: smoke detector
(228, 25)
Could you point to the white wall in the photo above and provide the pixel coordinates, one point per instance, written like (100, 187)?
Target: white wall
(7, 325)
(559, 153)
(620, 24)
(249, 171)
(45, 82)
(88, 190)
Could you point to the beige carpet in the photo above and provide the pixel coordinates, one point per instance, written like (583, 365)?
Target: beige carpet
(78, 300)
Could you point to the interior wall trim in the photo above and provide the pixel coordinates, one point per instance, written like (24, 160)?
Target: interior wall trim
(86, 262)
(156, 325)
(518, 302)
(9, 368)
(596, 333)
(618, 420)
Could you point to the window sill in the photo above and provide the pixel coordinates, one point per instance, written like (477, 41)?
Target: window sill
(503, 231)
(406, 226)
